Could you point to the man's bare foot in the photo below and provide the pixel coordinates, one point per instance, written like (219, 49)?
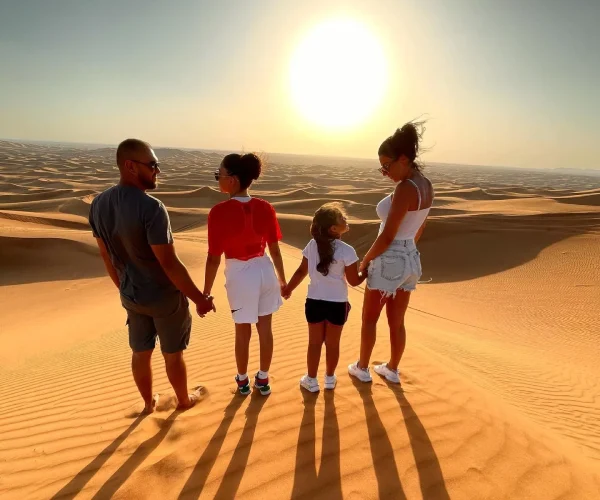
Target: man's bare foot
(149, 408)
(193, 398)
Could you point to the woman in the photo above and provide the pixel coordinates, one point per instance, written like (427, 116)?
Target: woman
(393, 261)
(241, 228)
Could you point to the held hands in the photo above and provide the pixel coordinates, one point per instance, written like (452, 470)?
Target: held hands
(206, 305)
(364, 267)
(286, 293)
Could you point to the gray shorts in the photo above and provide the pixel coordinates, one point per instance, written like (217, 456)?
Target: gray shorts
(169, 319)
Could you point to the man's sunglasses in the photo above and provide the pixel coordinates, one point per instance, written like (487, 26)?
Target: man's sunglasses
(153, 164)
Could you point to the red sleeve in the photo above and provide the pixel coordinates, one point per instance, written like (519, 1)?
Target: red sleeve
(215, 235)
(273, 231)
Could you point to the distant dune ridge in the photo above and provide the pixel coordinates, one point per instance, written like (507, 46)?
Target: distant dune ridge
(501, 387)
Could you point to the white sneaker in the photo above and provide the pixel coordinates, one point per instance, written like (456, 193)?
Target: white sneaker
(309, 383)
(330, 382)
(361, 374)
(390, 375)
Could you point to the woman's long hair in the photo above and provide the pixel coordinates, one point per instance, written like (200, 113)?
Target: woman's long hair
(406, 141)
(328, 215)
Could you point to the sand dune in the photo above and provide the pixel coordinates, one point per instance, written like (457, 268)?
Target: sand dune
(475, 193)
(39, 195)
(500, 394)
(50, 219)
(309, 206)
(31, 260)
(296, 194)
(204, 197)
(589, 199)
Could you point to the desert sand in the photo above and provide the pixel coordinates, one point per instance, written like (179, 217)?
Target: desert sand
(500, 393)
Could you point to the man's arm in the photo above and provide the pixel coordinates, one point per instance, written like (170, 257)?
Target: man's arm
(177, 272)
(112, 272)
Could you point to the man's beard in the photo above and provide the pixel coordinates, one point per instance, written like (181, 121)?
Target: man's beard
(150, 183)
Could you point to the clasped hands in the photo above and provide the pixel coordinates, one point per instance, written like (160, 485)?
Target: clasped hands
(286, 292)
(205, 305)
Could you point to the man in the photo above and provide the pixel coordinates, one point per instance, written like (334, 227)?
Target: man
(133, 232)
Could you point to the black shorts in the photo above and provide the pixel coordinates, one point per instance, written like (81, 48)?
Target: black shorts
(323, 310)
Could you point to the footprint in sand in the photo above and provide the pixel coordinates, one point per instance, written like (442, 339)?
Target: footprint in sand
(138, 409)
(166, 402)
(170, 402)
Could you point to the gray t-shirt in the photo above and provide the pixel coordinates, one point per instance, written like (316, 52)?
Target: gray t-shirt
(128, 221)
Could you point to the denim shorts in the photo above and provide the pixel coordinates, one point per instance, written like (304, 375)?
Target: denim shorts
(398, 268)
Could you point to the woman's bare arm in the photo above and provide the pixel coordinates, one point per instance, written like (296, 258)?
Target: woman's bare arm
(400, 203)
(420, 232)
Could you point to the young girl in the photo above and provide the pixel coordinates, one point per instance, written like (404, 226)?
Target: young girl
(241, 228)
(329, 262)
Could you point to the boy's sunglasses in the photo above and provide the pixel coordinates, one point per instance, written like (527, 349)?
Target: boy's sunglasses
(218, 175)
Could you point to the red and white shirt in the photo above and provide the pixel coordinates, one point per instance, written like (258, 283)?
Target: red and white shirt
(241, 228)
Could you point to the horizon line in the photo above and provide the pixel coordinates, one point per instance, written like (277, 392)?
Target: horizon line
(99, 145)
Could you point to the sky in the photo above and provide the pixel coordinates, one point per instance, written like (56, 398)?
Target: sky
(510, 83)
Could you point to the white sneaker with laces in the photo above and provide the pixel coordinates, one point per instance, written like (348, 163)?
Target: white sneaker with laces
(390, 375)
(309, 383)
(330, 381)
(361, 374)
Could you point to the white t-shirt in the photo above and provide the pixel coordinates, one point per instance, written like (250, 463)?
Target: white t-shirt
(243, 199)
(332, 287)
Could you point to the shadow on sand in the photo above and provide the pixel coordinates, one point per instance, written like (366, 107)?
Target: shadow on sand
(431, 479)
(235, 470)
(109, 488)
(195, 483)
(76, 485)
(327, 483)
(382, 451)
(232, 477)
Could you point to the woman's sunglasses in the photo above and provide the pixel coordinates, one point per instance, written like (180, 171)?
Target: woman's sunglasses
(385, 168)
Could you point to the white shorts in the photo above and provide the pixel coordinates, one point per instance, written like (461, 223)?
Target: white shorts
(398, 268)
(252, 288)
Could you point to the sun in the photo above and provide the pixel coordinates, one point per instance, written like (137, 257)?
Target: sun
(338, 74)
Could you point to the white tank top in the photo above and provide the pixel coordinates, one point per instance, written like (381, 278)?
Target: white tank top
(412, 221)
